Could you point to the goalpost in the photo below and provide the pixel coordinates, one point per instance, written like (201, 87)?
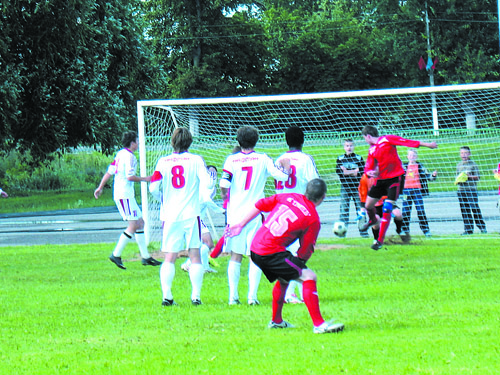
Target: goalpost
(453, 116)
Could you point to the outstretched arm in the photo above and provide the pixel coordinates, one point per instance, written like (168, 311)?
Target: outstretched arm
(428, 144)
(234, 230)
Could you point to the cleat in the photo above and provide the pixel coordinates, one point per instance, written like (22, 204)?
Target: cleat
(196, 302)
(329, 328)
(168, 302)
(234, 302)
(293, 299)
(376, 245)
(150, 262)
(466, 233)
(283, 324)
(369, 224)
(405, 237)
(117, 261)
(253, 302)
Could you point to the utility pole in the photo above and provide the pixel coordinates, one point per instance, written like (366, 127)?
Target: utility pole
(431, 74)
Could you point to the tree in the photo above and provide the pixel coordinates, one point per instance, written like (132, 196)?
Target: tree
(79, 65)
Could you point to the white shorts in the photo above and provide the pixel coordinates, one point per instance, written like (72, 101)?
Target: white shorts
(240, 244)
(128, 208)
(181, 235)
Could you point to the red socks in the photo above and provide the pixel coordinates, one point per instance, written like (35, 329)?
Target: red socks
(218, 248)
(312, 301)
(384, 225)
(278, 301)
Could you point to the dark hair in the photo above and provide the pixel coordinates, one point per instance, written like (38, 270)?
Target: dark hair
(181, 139)
(236, 149)
(465, 148)
(294, 137)
(370, 130)
(315, 190)
(247, 137)
(348, 140)
(129, 137)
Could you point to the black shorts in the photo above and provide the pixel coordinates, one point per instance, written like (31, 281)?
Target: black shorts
(281, 265)
(390, 187)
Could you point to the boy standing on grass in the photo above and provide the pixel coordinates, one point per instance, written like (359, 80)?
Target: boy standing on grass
(349, 169)
(291, 217)
(467, 176)
(123, 168)
(176, 183)
(383, 162)
(245, 174)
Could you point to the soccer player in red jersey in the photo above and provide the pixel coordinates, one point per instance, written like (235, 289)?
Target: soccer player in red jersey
(291, 216)
(383, 162)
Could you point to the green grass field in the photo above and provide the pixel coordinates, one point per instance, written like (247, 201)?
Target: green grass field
(432, 307)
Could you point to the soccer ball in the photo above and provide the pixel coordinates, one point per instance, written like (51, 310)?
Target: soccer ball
(339, 229)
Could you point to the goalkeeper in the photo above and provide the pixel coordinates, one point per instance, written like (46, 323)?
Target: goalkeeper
(383, 162)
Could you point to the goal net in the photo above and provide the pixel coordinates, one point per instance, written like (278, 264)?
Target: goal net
(453, 116)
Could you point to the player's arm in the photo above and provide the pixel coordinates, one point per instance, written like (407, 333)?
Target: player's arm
(281, 172)
(235, 229)
(135, 178)
(155, 185)
(104, 181)
(429, 144)
(308, 241)
(225, 183)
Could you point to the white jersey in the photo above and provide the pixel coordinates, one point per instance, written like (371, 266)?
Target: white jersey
(246, 175)
(123, 166)
(176, 184)
(303, 170)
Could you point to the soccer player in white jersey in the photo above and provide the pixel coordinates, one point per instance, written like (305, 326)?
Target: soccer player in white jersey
(303, 170)
(176, 184)
(245, 173)
(123, 168)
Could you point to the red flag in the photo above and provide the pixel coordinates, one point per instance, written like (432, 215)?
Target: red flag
(421, 63)
(436, 60)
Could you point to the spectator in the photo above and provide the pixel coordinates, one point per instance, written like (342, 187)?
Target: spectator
(349, 169)
(467, 176)
(416, 187)
(123, 168)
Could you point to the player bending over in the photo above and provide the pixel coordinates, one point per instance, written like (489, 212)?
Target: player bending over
(383, 162)
(291, 216)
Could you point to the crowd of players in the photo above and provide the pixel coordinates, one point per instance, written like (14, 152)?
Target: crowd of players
(280, 243)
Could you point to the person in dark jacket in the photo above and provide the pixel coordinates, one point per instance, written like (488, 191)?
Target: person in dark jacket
(350, 169)
(416, 187)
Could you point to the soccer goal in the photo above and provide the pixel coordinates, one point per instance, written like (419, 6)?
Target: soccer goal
(453, 116)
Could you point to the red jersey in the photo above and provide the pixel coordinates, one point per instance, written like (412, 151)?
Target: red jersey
(291, 216)
(385, 155)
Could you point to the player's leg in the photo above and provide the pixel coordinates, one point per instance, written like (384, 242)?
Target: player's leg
(463, 200)
(476, 211)
(233, 277)
(123, 208)
(394, 187)
(311, 299)
(137, 227)
(290, 295)
(279, 291)
(254, 272)
(357, 204)
(172, 242)
(196, 270)
(422, 217)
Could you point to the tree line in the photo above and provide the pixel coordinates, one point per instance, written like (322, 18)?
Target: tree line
(71, 71)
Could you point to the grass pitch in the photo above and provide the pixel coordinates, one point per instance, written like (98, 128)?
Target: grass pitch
(431, 307)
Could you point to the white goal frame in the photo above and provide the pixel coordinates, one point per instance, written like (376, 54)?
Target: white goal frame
(195, 124)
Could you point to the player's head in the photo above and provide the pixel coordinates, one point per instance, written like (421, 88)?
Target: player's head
(370, 130)
(181, 139)
(294, 137)
(128, 138)
(370, 134)
(412, 155)
(348, 146)
(465, 153)
(316, 190)
(247, 137)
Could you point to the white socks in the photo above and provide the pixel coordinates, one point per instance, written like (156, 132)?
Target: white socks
(254, 274)
(204, 250)
(167, 273)
(140, 238)
(196, 272)
(122, 242)
(233, 277)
